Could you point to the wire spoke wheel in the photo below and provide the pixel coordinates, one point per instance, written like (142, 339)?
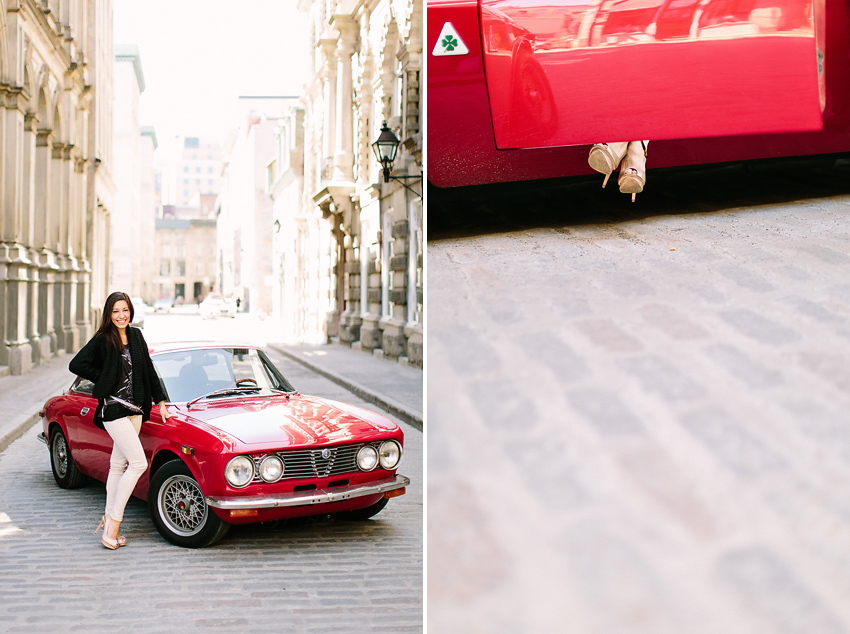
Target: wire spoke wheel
(182, 506)
(60, 455)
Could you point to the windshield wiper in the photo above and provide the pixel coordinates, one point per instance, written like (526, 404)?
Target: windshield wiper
(224, 392)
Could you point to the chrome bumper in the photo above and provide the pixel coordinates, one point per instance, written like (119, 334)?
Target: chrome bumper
(303, 498)
(42, 438)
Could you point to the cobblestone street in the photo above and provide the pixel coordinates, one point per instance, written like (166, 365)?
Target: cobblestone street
(638, 413)
(311, 575)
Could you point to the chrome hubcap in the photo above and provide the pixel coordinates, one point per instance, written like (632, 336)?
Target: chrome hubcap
(181, 505)
(60, 455)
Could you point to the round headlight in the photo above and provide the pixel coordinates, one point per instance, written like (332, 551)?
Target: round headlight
(271, 469)
(239, 471)
(367, 458)
(389, 454)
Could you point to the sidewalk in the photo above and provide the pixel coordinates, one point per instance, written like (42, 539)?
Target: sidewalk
(23, 396)
(391, 386)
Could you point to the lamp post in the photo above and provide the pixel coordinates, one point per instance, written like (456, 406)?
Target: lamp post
(386, 148)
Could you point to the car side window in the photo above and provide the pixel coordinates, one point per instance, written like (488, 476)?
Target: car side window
(82, 386)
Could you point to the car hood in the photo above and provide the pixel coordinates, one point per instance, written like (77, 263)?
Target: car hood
(294, 421)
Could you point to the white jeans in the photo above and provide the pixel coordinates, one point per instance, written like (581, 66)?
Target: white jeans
(126, 449)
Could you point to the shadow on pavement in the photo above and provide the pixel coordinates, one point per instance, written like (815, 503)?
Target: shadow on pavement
(487, 209)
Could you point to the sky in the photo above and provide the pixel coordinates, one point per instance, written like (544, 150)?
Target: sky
(198, 56)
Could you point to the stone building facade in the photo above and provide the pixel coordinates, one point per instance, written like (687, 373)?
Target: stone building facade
(56, 63)
(185, 256)
(365, 70)
(301, 241)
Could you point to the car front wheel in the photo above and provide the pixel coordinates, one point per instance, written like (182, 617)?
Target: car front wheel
(179, 510)
(64, 468)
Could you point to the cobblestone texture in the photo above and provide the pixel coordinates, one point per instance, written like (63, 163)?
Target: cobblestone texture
(314, 575)
(638, 414)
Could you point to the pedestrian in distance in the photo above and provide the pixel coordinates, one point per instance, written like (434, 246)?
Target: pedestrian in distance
(117, 361)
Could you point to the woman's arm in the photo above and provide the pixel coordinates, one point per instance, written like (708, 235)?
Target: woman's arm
(88, 362)
(158, 394)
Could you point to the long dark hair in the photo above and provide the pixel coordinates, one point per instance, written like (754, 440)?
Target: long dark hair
(107, 329)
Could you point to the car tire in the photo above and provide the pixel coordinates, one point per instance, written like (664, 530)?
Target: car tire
(363, 514)
(178, 508)
(62, 463)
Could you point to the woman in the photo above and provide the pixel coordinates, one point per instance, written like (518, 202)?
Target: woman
(116, 360)
(630, 157)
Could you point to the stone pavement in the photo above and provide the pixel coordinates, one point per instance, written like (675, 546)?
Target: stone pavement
(395, 388)
(22, 396)
(316, 575)
(639, 414)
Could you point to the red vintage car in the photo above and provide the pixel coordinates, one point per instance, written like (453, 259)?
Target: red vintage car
(519, 89)
(241, 446)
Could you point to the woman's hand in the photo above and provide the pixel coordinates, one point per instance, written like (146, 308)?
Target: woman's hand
(163, 413)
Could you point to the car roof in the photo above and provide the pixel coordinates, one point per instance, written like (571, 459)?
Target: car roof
(173, 346)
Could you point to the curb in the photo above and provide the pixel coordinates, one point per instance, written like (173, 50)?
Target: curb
(18, 431)
(392, 406)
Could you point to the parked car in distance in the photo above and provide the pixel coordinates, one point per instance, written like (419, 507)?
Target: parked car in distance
(215, 305)
(140, 311)
(241, 446)
(163, 304)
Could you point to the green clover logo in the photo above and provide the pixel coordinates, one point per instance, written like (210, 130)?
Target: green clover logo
(449, 43)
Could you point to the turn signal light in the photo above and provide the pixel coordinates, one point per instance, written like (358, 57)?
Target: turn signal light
(395, 493)
(244, 513)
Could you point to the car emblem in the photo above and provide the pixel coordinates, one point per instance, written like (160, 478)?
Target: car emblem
(84, 411)
(449, 42)
(322, 461)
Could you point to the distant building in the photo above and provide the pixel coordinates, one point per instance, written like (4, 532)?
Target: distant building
(302, 242)
(244, 206)
(192, 169)
(132, 218)
(185, 255)
(56, 61)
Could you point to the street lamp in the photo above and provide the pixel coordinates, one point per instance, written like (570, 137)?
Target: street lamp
(386, 148)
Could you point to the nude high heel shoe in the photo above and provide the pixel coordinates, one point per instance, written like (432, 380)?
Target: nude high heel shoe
(605, 157)
(106, 541)
(633, 170)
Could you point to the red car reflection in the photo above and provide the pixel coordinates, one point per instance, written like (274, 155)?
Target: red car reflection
(535, 82)
(241, 446)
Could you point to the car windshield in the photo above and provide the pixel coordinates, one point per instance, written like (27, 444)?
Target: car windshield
(190, 374)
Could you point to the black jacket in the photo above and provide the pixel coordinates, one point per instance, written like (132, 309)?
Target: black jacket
(100, 364)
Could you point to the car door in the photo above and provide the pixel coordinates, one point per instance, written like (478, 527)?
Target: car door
(90, 445)
(574, 72)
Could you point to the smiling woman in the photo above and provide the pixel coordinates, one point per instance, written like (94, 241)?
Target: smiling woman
(116, 360)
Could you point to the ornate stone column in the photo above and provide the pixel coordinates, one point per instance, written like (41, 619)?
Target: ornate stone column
(69, 340)
(44, 230)
(29, 222)
(81, 309)
(346, 46)
(329, 98)
(15, 350)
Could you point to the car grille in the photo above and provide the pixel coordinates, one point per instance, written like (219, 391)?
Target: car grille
(309, 463)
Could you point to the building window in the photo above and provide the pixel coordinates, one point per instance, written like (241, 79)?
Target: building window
(165, 268)
(181, 268)
(209, 170)
(209, 182)
(185, 192)
(197, 169)
(185, 181)
(185, 168)
(197, 181)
